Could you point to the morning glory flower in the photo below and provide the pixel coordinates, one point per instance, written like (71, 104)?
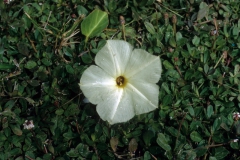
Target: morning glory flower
(28, 124)
(123, 82)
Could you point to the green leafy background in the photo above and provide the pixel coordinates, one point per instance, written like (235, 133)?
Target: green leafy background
(44, 51)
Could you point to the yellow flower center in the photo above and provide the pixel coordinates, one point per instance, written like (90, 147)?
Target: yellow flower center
(121, 81)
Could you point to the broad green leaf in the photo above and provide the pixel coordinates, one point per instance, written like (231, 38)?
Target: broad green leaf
(166, 87)
(209, 111)
(162, 142)
(46, 62)
(221, 152)
(69, 135)
(34, 82)
(16, 130)
(59, 111)
(235, 31)
(167, 100)
(130, 32)
(174, 132)
(82, 10)
(147, 156)
(167, 65)
(94, 23)
(212, 158)
(216, 124)
(2, 137)
(191, 111)
(73, 153)
(149, 27)
(172, 42)
(178, 36)
(23, 48)
(200, 151)
(234, 145)
(147, 136)
(69, 69)
(86, 58)
(47, 156)
(195, 136)
(71, 110)
(6, 66)
(203, 12)
(196, 40)
(30, 64)
(102, 146)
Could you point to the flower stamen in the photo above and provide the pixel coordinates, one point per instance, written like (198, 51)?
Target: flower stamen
(121, 81)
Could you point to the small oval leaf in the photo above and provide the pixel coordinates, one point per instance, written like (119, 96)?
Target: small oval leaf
(150, 27)
(195, 136)
(162, 142)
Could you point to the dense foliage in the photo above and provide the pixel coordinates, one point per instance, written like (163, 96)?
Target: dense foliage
(46, 45)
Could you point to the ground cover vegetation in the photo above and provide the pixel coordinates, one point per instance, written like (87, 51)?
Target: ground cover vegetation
(45, 46)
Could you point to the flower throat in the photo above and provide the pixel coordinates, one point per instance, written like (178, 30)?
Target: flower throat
(121, 81)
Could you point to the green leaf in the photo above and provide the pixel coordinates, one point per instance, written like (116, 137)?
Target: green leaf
(6, 66)
(149, 27)
(178, 36)
(2, 137)
(200, 151)
(147, 156)
(23, 49)
(195, 136)
(59, 111)
(147, 137)
(162, 142)
(69, 69)
(71, 110)
(234, 145)
(34, 82)
(203, 12)
(81, 10)
(94, 23)
(73, 153)
(86, 58)
(196, 40)
(167, 65)
(69, 135)
(16, 130)
(15, 151)
(220, 152)
(191, 111)
(216, 125)
(209, 111)
(212, 158)
(167, 100)
(30, 64)
(46, 62)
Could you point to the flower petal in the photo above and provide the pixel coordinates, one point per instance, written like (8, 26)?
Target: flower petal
(96, 84)
(144, 96)
(114, 56)
(118, 107)
(143, 66)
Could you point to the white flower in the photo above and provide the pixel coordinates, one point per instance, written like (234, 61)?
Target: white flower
(28, 124)
(235, 140)
(123, 83)
(236, 115)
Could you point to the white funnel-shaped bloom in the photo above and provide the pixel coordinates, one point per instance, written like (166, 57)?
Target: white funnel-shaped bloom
(123, 83)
